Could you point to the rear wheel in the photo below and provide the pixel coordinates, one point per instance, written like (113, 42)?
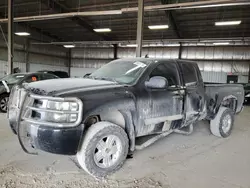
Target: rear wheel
(104, 149)
(4, 99)
(222, 124)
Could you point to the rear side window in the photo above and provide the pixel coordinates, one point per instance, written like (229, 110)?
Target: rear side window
(32, 78)
(189, 73)
(49, 76)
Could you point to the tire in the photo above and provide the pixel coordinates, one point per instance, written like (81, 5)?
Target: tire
(223, 122)
(246, 101)
(4, 98)
(87, 154)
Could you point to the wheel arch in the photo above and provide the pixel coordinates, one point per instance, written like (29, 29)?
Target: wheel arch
(119, 113)
(5, 93)
(229, 102)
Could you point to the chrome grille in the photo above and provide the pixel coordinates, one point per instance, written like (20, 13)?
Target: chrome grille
(29, 108)
(26, 112)
(17, 96)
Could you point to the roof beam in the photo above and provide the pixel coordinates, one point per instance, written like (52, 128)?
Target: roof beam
(37, 30)
(171, 16)
(58, 7)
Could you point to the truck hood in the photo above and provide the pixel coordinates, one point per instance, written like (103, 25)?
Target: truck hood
(60, 86)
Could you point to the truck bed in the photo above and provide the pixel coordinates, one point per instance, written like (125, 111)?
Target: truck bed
(217, 93)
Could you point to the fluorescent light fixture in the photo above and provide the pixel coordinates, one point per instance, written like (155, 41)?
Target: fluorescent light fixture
(201, 44)
(102, 30)
(69, 46)
(228, 23)
(172, 45)
(221, 43)
(158, 26)
(22, 33)
(131, 45)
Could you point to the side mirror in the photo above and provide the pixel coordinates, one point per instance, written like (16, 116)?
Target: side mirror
(157, 82)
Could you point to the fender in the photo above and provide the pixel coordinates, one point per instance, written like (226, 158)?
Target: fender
(220, 103)
(124, 104)
(130, 129)
(229, 97)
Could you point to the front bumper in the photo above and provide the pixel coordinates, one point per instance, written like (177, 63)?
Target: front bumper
(53, 140)
(64, 141)
(34, 136)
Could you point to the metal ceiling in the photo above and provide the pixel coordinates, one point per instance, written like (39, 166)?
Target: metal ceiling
(184, 23)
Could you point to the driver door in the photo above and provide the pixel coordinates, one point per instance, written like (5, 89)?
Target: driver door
(165, 104)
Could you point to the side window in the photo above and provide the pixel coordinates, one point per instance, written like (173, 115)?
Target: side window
(168, 71)
(189, 73)
(32, 78)
(49, 76)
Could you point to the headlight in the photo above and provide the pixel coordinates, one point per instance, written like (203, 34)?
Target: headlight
(62, 106)
(52, 111)
(248, 95)
(59, 117)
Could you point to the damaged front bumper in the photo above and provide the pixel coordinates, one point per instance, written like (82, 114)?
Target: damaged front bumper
(62, 141)
(35, 135)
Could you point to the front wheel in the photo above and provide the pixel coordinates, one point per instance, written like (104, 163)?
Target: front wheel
(4, 99)
(222, 124)
(104, 149)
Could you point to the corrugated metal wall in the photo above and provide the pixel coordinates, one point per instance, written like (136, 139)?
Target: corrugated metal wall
(214, 62)
(40, 58)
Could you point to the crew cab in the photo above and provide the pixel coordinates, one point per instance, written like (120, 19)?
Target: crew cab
(99, 118)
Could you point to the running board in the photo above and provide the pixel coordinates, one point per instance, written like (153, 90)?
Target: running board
(152, 140)
(185, 132)
(147, 141)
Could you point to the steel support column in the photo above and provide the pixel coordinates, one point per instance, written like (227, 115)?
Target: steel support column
(140, 28)
(249, 74)
(180, 51)
(69, 62)
(115, 50)
(10, 36)
(26, 48)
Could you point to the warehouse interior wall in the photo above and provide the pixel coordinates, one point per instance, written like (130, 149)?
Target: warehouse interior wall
(36, 57)
(215, 62)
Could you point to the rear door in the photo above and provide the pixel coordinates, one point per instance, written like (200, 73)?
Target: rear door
(194, 102)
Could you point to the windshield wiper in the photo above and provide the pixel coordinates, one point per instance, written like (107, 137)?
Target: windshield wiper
(103, 78)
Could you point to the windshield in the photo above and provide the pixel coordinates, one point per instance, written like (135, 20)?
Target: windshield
(121, 71)
(13, 78)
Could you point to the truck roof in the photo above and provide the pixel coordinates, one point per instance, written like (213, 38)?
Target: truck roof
(155, 60)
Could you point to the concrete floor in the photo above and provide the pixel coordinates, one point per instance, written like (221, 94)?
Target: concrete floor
(198, 160)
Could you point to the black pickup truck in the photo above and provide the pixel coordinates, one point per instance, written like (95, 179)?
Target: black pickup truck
(99, 118)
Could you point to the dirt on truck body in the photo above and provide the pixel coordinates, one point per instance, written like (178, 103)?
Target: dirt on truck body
(98, 118)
